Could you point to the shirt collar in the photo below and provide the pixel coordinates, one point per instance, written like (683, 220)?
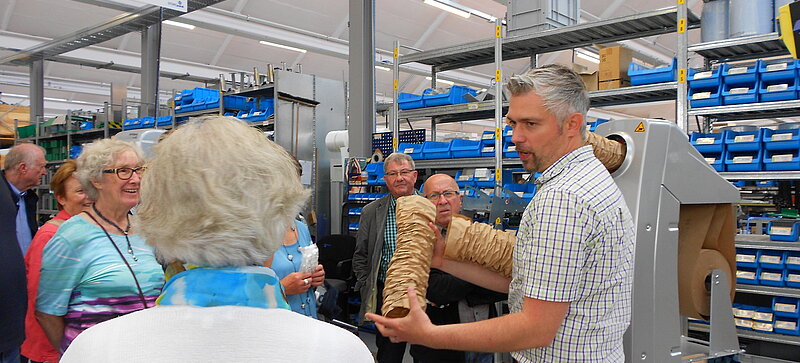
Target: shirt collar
(15, 190)
(580, 154)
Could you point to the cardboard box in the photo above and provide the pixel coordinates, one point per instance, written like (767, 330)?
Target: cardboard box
(590, 80)
(614, 62)
(617, 83)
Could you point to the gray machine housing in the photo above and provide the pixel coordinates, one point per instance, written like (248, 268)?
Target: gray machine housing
(661, 171)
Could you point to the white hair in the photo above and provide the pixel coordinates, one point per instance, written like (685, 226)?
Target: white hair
(218, 193)
(99, 155)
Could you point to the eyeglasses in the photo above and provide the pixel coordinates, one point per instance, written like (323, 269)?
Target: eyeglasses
(403, 173)
(447, 194)
(126, 173)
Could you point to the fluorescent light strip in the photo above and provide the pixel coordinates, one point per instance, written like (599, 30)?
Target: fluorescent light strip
(588, 56)
(282, 46)
(441, 81)
(448, 8)
(384, 68)
(180, 25)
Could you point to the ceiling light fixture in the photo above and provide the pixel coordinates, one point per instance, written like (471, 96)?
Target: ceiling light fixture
(588, 56)
(282, 46)
(179, 24)
(441, 81)
(383, 68)
(448, 7)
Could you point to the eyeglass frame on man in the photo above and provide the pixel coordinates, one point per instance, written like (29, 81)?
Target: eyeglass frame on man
(403, 173)
(434, 197)
(139, 170)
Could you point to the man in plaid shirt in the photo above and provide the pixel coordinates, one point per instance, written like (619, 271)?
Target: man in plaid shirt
(375, 245)
(570, 292)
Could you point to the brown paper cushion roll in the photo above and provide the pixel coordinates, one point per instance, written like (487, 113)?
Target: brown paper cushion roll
(695, 299)
(479, 243)
(610, 153)
(410, 265)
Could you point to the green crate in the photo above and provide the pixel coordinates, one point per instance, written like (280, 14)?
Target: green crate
(26, 131)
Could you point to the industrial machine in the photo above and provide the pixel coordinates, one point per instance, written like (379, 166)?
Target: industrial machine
(660, 176)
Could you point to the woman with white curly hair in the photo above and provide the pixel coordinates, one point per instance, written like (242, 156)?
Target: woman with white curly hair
(97, 267)
(237, 194)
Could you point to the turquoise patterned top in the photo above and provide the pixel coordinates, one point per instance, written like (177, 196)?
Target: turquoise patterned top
(252, 286)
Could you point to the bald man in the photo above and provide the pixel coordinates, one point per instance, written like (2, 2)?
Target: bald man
(23, 169)
(452, 300)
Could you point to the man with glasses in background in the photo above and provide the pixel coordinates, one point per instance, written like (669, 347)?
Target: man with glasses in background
(452, 300)
(375, 246)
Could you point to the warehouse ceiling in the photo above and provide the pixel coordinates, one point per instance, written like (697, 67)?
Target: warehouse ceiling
(226, 39)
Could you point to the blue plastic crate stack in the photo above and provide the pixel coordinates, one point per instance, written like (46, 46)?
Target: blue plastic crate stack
(430, 98)
(764, 81)
(781, 317)
(759, 150)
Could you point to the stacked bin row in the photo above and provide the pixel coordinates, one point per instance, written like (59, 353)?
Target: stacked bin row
(149, 122)
(768, 267)
(239, 106)
(758, 150)
(429, 98)
(764, 81)
(781, 317)
(460, 148)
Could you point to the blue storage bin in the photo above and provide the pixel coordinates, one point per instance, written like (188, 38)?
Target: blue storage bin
(708, 142)
(641, 75)
(75, 151)
(237, 102)
(778, 71)
(592, 126)
(715, 160)
(706, 79)
(130, 124)
(354, 211)
(408, 101)
(737, 75)
(86, 125)
(787, 326)
(464, 180)
(510, 151)
(743, 324)
(771, 259)
(766, 183)
(781, 139)
(705, 97)
(787, 307)
(259, 115)
(413, 150)
(353, 226)
(525, 191)
(508, 133)
(743, 161)
(487, 150)
(792, 260)
(770, 277)
(781, 160)
(375, 174)
(743, 140)
(777, 91)
(743, 311)
(484, 181)
(783, 230)
(739, 183)
(461, 148)
(164, 121)
(745, 275)
(436, 150)
(792, 278)
(763, 314)
(453, 97)
(746, 257)
(735, 94)
(148, 122)
(487, 138)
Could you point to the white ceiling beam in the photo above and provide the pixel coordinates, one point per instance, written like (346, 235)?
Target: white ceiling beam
(221, 50)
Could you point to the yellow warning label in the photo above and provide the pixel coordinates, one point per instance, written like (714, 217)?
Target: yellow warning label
(681, 2)
(497, 133)
(682, 75)
(498, 175)
(395, 84)
(639, 128)
(682, 25)
(498, 220)
(497, 74)
(498, 31)
(396, 53)
(394, 143)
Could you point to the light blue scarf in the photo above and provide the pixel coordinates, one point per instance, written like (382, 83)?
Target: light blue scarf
(219, 286)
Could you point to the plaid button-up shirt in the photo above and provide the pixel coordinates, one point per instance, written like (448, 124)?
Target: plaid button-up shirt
(576, 244)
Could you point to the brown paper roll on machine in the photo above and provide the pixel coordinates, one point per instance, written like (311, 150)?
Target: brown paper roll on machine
(685, 227)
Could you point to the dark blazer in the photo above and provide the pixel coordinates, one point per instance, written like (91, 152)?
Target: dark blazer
(366, 258)
(12, 269)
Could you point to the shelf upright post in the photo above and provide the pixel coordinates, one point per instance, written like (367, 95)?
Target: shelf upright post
(498, 107)
(682, 103)
(395, 95)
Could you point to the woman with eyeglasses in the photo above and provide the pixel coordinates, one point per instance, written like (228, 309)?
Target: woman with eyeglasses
(97, 267)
